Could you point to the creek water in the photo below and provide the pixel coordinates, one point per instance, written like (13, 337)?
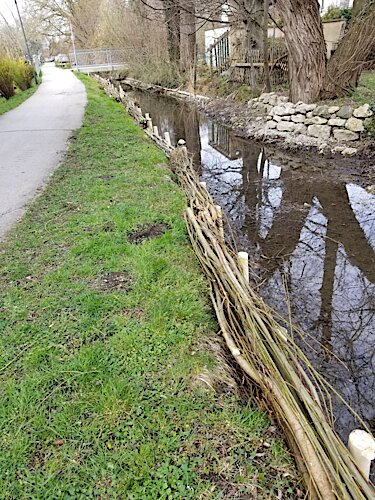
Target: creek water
(311, 239)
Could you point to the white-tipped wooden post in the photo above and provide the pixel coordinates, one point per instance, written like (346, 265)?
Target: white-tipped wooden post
(362, 446)
(156, 131)
(204, 185)
(167, 138)
(148, 122)
(181, 145)
(220, 222)
(243, 263)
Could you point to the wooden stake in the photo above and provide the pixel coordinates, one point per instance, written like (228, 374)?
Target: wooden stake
(156, 131)
(220, 221)
(362, 446)
(243, 263)
(167, 138)
(181, 145)
(204, 184)
(148, 122)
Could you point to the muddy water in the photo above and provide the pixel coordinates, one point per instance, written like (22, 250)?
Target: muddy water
(311, 239)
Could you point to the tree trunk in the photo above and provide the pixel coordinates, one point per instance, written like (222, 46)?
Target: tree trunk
(188, 36)
(253, 22)
(306, 48)
(352, 54)
(267, 81)
(172, 19)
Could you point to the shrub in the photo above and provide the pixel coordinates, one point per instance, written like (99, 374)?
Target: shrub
(7, 78)
(23, 74)
(160, 72)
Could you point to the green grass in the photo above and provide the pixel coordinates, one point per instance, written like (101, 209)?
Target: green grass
(364, 93)
(100, 394)
(17, 99)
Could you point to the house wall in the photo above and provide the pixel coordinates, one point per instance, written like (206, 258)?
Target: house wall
(333, 31)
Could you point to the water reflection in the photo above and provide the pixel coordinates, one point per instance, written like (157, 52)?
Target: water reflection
(310, 237)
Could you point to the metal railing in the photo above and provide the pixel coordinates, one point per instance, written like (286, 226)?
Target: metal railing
(105, 57)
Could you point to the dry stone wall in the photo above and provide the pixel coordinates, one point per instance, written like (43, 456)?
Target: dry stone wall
(326, 123)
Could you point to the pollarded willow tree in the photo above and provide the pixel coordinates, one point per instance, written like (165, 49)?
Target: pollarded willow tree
(306, 48)
(310, 76)
(352, 54)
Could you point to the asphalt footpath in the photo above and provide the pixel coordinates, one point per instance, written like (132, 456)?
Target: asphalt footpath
(33, 139)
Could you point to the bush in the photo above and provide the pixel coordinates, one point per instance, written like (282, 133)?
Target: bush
(14, 72)
(7, 78)
(335, 13)
(160, 72)
(23, 74)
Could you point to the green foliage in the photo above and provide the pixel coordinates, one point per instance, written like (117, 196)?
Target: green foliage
(23, 75)
(100, 393)
(14, 72)
(7, 68)
(335, 13)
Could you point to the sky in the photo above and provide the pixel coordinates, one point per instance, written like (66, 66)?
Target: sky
(7, 8)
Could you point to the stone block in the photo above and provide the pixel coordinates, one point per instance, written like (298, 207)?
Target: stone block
(283, 110)
(319, 131)
(345, 112)
(337, 122)
(341, 134)
(305, 108)
(300, 128)
(354, 125)
(363, 111)
(322, 111)
(349, 151)
(285, 126)
(298, 118)
(316, 120)
(333, 109)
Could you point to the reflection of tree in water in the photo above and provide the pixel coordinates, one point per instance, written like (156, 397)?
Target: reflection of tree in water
(181, 121)
(301, 232)
(316, 240)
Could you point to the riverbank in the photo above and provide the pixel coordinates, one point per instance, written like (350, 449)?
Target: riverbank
(251, 120)
(113, 384)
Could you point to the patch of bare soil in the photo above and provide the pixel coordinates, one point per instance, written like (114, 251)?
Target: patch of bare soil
(136, 313)
(105, 177)
(148, 231)
(109, 282)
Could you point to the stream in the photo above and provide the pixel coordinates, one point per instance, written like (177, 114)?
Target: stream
(310, 236)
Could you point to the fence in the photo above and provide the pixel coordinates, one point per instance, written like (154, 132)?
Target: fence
(97, 57)
(247, 65)
(264, 350)
(219, 54)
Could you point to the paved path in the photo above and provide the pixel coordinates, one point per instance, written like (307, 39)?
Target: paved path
(33, 138)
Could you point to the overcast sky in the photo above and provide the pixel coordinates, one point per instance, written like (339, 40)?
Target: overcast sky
(7, 8)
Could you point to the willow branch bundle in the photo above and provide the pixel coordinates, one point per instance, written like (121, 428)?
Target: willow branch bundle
(268, 354)
(264, 350)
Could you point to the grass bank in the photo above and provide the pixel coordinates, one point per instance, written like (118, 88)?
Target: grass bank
(17, 99)
(104, 366)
